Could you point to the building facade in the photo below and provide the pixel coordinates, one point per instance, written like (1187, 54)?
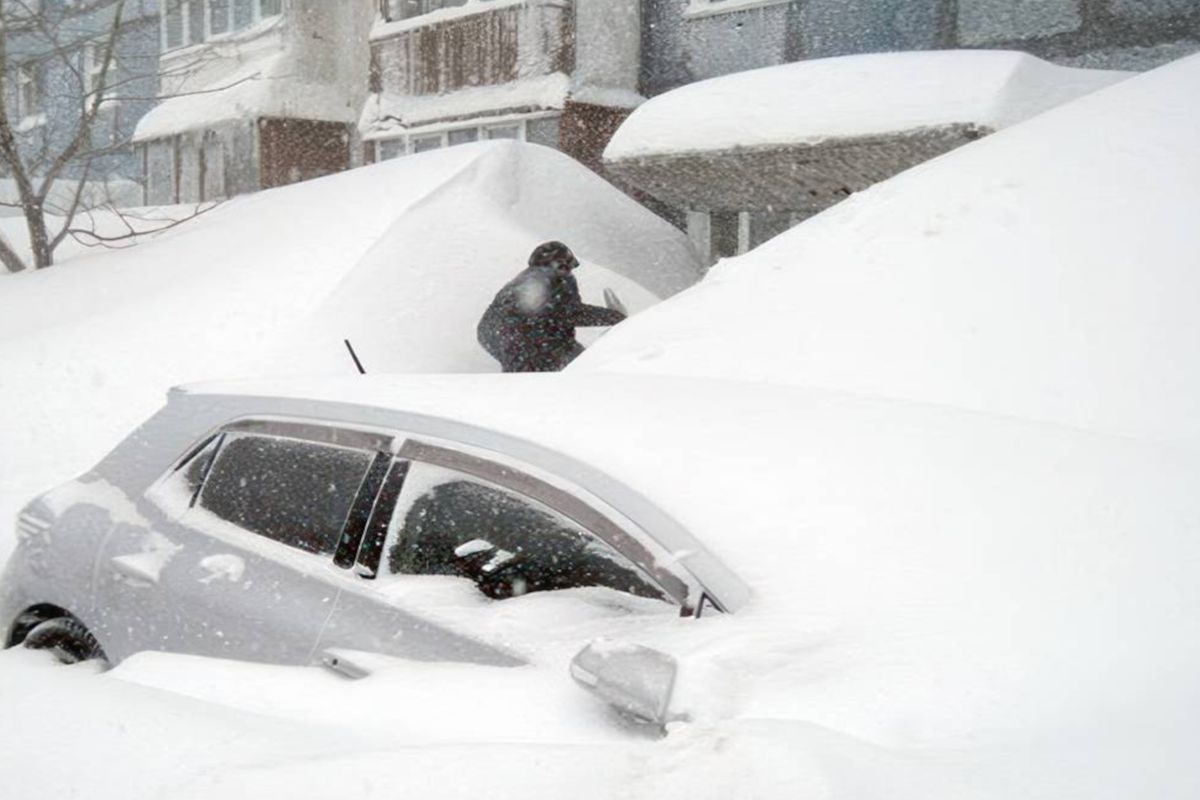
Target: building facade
(445, 72)
(256, 94)
(690, 40)
(55, 67)
(685, 41)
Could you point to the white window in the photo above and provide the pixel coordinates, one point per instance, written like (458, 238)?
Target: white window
(29, 89)
(219, 16)
(93, 73)
(463, 136)
(703, 8)
(193, 21)
(503, 131)
(172, 24)
(406, 9)
(391, 148)
(421, 144)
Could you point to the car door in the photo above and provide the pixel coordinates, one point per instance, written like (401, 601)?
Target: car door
(238, 559)
(446, 513)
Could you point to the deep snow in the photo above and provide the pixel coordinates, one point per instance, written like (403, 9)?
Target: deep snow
(949, 602)
(1047, 272)
(401, 258)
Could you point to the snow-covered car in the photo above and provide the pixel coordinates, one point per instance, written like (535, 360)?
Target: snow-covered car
(297, 530)
(889, 569)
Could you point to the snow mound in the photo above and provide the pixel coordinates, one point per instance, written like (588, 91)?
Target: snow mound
(401, 258)
(1047, 271)
(860, 95)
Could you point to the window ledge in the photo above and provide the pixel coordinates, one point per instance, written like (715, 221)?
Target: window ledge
(698, 9)
(384, 29)
(31, 122)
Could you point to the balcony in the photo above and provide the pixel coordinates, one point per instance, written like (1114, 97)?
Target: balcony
(443, 52)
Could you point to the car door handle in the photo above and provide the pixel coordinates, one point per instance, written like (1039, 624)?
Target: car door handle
(142, 568)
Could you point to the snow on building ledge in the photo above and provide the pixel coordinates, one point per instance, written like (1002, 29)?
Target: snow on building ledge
(808, 134)
(387, 114)
(382, 28)
(265, 87)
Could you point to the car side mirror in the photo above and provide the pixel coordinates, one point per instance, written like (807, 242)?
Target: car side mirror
(637, 681)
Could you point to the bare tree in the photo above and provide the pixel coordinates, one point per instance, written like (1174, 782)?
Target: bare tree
(54, 167)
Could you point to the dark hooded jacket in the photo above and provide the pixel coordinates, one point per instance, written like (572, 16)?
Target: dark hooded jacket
(530, 325)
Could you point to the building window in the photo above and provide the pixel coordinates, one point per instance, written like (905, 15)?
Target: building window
(219, 20)
(703, 8)
(463, 136)
(193, 21)
(29, 89)
(503, 132)
(422, 142)
(391, 148)
(393, 10)
(94, 74)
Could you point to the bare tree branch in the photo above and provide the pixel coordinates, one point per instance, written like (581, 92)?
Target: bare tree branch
(89, 238)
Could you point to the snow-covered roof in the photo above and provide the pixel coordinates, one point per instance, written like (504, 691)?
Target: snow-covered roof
(268, 86)
(851, 96)
(1048, 271)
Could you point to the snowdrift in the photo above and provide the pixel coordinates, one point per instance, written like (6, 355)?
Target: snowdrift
(401, 257)
(1047, 271)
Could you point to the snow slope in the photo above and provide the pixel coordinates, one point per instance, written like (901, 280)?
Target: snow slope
(859, 95)
(1047, 272)
(401, 257)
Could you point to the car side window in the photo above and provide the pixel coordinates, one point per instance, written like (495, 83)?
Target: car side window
(450, 523)
(295, 492)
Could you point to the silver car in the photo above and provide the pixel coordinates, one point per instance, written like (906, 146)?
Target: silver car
(291, 530)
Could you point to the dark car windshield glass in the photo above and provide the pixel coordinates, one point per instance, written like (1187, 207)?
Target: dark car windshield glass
(448, 524)
(294, 492)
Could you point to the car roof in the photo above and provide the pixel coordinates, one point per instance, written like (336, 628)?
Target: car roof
(775, 481)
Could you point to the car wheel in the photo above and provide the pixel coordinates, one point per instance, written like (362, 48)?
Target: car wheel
(67, 638)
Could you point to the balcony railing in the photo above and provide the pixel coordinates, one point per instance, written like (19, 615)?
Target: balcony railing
(486, 48)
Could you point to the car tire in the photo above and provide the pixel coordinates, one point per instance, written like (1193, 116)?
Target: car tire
(66, 637)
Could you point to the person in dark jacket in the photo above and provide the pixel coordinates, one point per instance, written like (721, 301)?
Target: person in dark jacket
(530, 325)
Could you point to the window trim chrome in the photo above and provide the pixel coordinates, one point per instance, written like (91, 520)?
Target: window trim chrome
(318, 433)
(559, 500)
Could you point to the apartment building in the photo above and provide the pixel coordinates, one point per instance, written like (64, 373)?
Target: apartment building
(256, 94)
(562, 73)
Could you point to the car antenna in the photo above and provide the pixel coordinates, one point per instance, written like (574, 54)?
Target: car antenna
(354, 355)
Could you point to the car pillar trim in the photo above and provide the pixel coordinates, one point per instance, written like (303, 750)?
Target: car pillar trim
(561, 501)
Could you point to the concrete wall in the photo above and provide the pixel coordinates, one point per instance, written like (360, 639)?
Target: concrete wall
(681, 45)
(607, 44)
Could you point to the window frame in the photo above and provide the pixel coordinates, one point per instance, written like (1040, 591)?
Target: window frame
(322, 542)
(360, 546)
(93, 64)
(386, 14)
(30, 98)
(524, 485)
(377, 445)
(189, 38)
(408, 141)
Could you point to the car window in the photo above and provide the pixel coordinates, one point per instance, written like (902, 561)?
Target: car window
(295, 492)
(449, 523)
